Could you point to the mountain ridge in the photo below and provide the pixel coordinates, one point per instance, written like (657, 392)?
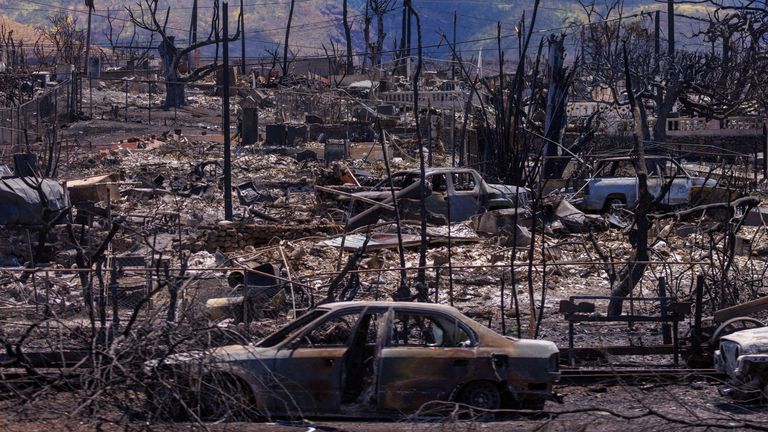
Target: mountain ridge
(318, 23)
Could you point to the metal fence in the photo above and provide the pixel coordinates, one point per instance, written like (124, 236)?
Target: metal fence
(31, 121)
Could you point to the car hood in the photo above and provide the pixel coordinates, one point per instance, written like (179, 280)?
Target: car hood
(216, 355)
(752, 341)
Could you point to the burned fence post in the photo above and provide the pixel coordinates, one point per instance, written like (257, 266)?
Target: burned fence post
(665, 330)
(501, 308)
(126, 101)
(149, 108)
(699, 298)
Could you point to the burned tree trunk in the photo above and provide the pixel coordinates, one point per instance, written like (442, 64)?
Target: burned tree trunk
(631, 274)
(380, 10)
(557, 117)
(177, 73)
(174, 96)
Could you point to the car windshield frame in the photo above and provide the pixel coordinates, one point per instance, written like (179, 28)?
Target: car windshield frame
(298, 335)
(286, 333)
(604, 164)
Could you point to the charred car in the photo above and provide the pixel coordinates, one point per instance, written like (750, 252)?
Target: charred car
(358, 359)
(615, 183)
(743, 357)
(449, 194)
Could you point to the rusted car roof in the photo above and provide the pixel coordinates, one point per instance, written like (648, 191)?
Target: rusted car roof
(488, 336)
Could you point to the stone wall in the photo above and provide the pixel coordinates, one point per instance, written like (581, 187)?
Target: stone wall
(231, 236)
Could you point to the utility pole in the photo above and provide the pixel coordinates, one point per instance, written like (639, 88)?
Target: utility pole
(348, 38)
(408, 30)
(453, 63)
(287, 34)
(242, 38)
(671, 27)
(91, 6)
(403, 31)
(657, 40)
(225, 117)
(193, 63)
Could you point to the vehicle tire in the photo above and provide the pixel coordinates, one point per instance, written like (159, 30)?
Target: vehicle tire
(224, 397)
(611, 201)
(481, 394)
(732, 326)
(163, 404)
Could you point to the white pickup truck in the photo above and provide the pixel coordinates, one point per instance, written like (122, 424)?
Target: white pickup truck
(743, 357)
(615, 182)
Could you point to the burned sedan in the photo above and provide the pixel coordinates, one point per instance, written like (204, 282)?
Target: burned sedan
(743, 357)
(358, 359)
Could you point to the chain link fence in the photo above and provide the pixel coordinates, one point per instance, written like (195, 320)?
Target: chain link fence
(36, 120)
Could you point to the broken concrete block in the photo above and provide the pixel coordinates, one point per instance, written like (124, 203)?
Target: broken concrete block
(295, 134)
(94, 189)
(222, 308)
(276, 134)
(336, 150)
(250, 127)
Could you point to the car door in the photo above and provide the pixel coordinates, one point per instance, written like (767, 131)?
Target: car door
(309, 368)
(464, 196)
(425, 357)
(436, 203)
(663, 172)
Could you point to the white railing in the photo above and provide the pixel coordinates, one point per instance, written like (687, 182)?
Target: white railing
(698, 126)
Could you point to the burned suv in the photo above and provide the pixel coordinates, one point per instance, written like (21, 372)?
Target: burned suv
(358, 359)
(743, 356)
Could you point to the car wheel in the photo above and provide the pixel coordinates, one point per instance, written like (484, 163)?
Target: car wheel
(223, 397)
(608, 207)
(164, 404)
(481, 394)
